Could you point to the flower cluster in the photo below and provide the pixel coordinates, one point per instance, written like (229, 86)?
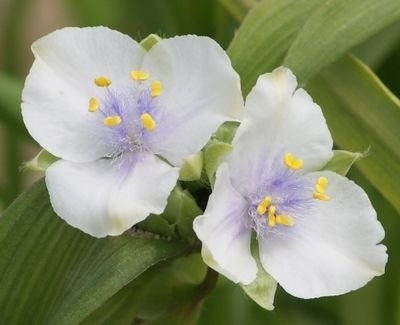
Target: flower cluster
(122, 119)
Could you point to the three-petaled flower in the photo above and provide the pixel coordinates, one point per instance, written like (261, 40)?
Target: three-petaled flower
(122, 119)
(317, 231)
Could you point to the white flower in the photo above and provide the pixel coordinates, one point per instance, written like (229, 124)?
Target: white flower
(122, 119)
(317, 231)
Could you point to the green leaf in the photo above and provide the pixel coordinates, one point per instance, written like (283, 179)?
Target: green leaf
(262, 289)
(51, 273)
(335, 28)
(41, 161)
(261, 42)
(342, 161)
(238, 8)
(363, 114)
(304, 35)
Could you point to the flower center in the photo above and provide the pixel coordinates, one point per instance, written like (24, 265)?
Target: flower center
(284, 197)
(129, 116)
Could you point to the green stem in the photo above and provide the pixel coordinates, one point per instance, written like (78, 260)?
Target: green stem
(208, 284)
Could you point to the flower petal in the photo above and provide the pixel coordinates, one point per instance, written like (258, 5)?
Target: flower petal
(224, 232)
(61, 82)
(279, 120)
(107, 197)
(331, 250)
(200, 90)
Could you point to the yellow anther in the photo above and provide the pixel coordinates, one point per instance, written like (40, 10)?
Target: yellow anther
(139, 75)
(263, 205)
(93, 104)
(147, 121)
(321, 184)
(155, 88)
(292, 162)
(112, 120)
(320, 196)
(323, 181)
(284, 220)
(102, 81)
(271, 216)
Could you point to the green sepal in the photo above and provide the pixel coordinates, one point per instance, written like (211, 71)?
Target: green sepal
(150, 41)
(41, 161)
(192, 167)
(342, 161)
(262, 289)
(213, 153)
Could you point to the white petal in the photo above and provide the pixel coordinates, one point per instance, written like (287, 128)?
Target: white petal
(200, 90)
(333, 249)
(104, 198)
(224, 232)
(61, 82)
(279, 120)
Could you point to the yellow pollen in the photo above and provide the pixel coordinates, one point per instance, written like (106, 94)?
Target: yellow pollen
(112, 120)
(147, 121)
(155, 88)
(284, 220)
(292, 162)
(263, 205)
(321, 184)
(320, 196)
(271, 216)
(102, 81)
(93, 104)
(139, 75)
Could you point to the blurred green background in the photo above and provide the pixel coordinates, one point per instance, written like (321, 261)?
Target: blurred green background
(23, 21)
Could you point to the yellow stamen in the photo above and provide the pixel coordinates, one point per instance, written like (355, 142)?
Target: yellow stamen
(155, 88)
(292, 162)
(321, 184)
(147, 121)
(271, 216)
(93, 104)
(263, 205)
(112, 120)
(102, 81)
(320, 196)
(139, 75)
(284, 220)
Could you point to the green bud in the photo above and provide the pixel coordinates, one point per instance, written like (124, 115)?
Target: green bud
(213, 153)
(192, 167)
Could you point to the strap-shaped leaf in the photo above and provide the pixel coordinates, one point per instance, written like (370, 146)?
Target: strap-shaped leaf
(363, 114)
(335, 28)
(51, 273)
(304, 35)
(267, 32)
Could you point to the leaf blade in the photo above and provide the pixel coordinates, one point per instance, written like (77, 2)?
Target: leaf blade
(333, 29)
(53, 273)
(362, 113)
